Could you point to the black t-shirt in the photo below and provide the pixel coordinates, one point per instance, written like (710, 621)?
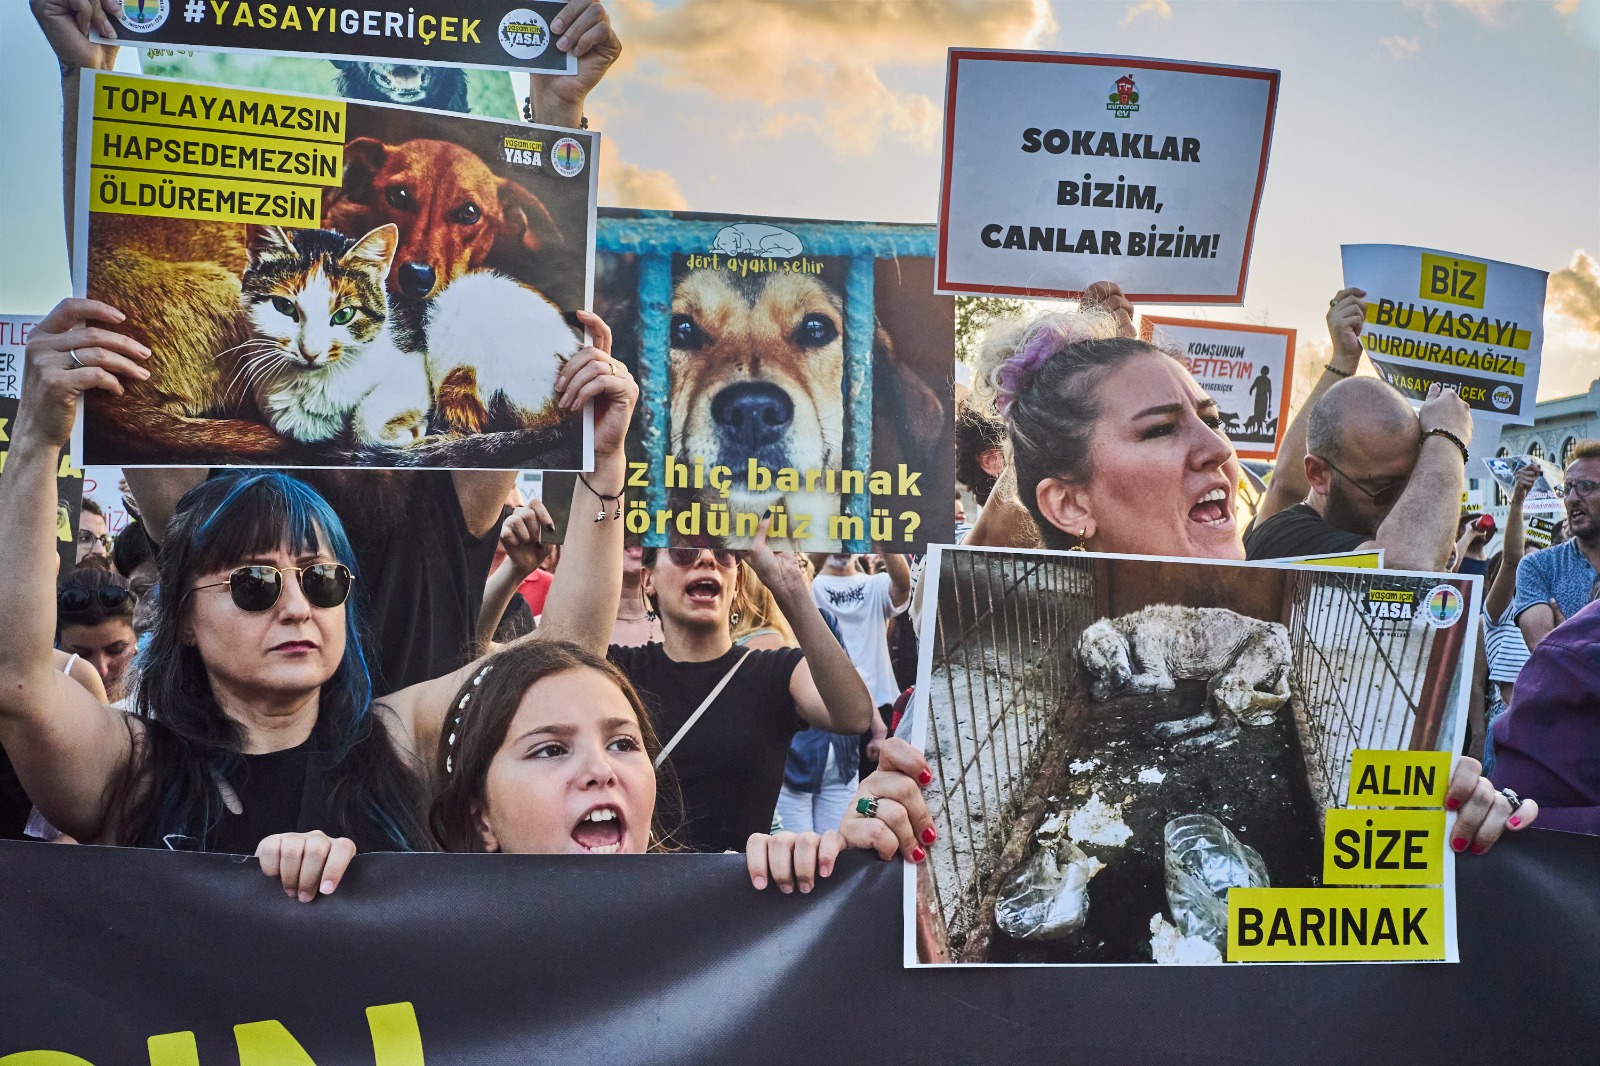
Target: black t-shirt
(14, 803)
(1298, 530)
(422, 570)
(730, 765)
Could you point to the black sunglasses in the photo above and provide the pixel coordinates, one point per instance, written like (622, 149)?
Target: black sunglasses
(687, 557)
(74, 600)
(257, 588)
(1383, 497)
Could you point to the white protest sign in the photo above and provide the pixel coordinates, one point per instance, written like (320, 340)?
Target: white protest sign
(106, 486)
(1248, 370)
(1473, 325)
(14, 330)
(1542, 498)
(1061, 170)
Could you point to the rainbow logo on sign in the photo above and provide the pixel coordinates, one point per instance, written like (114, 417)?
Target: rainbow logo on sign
(566, 157)
(142, 16)
(1443, 606)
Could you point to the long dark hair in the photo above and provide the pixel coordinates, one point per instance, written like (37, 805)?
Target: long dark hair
(467, 747)
(171, 791)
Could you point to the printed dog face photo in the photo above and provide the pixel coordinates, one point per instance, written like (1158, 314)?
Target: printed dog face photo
(756, 414)
(422, 324)
(1118, 742)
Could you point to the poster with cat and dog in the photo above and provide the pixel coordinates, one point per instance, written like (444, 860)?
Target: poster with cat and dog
(332, 283)
(797, 365)
(1185, 761)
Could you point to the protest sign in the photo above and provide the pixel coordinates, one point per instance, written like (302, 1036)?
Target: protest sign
(1360, 560)
(792, 364)
(1469, 324)
(69, 488)
(673, 959)
(1543, 497)
(108, 488)
(14, 330)
(1537, 533)
(512, 35)
(329, 283)
(1248, 370)
(1061, 170)
(1122, 745)
(488, 93)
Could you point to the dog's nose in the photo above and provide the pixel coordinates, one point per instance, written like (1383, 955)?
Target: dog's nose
(754, 413)
(416, 280)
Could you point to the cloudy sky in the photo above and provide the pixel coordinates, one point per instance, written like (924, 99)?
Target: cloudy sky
(1472, 126)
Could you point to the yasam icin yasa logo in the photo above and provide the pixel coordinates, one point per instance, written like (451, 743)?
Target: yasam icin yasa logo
(1124, 98)
(524, 34)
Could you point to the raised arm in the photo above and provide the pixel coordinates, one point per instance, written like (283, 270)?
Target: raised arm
(584, 30)
(1346, 316)
(1504, 589)
(827, 691)
(899, 579)
(66, 25)
(1416, 534)
(67, 746)
(522, 537)
(582, 603)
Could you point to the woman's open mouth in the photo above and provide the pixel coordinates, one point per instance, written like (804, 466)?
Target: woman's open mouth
(703, 591)
(600, 831)
(1212, 509)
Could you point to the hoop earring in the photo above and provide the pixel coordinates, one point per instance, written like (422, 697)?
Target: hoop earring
(1083, 535)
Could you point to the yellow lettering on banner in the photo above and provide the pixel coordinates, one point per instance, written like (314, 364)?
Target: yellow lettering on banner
(216, 153)
(1335, 924)
(1398, 778)
(173, 1049)
(1391, 595)
(132, 192)
(1352, 560)
(164, 103)
(1442, 322)
(1383, 848)
(42, 1058)
(396, 1039)
(1453, 279)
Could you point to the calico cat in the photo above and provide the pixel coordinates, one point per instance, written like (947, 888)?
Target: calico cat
(322, 360)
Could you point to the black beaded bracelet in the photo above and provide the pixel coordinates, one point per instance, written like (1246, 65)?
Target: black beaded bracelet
(1452, 438)
(1330, 368)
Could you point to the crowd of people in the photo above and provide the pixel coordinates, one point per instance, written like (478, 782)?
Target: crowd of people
(309, 667)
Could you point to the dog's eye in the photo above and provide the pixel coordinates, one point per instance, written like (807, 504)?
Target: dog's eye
(399, 196)
(467, 213)
(285, 306)
(685, 334)
(815, 331)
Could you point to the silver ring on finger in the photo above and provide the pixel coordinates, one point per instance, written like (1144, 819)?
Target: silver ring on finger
(77, 364)
(1511, 796)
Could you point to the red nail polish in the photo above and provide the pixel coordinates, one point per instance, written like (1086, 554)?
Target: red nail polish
(1451, 804)
(1459, 843)
(917, 855)
(1514, 822)
(1477, 849)
(929, 836)
(925, 777)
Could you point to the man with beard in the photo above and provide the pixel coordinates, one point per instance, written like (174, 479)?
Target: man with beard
(1558, 582)
(1379, 476)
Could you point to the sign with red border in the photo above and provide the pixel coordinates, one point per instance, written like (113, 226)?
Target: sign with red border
(1064, 169)
(1248, 370)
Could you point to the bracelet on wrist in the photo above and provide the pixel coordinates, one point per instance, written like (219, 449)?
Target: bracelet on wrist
(605, 500)
(1330, 368)
(1452, 438)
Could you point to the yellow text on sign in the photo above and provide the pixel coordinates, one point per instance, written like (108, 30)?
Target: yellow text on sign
(1398, 778)
(217, 154)
(210, 107)
(1352, 560)
(1383, 848)
(1335, 924)
(1453, 280)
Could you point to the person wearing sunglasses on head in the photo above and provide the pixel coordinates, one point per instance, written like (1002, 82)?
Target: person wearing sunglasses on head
(1360, 469)
(94, 622)
(256, 729)
(726, 714)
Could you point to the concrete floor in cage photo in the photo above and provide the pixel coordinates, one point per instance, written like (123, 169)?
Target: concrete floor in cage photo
(1026, 757)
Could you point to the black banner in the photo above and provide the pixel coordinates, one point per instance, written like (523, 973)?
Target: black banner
(69, 488)
(134, 956)
(1481, 394)
(504, 34)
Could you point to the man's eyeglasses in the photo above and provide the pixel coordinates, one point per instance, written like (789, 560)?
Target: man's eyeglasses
(1579, 486)
(257, 588)
(86, 537)
(1383, 497)
(687, 557)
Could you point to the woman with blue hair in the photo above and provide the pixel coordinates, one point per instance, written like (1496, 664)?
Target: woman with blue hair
(256, 729)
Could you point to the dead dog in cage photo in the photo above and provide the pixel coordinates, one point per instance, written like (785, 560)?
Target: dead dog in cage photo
(1118, 741)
